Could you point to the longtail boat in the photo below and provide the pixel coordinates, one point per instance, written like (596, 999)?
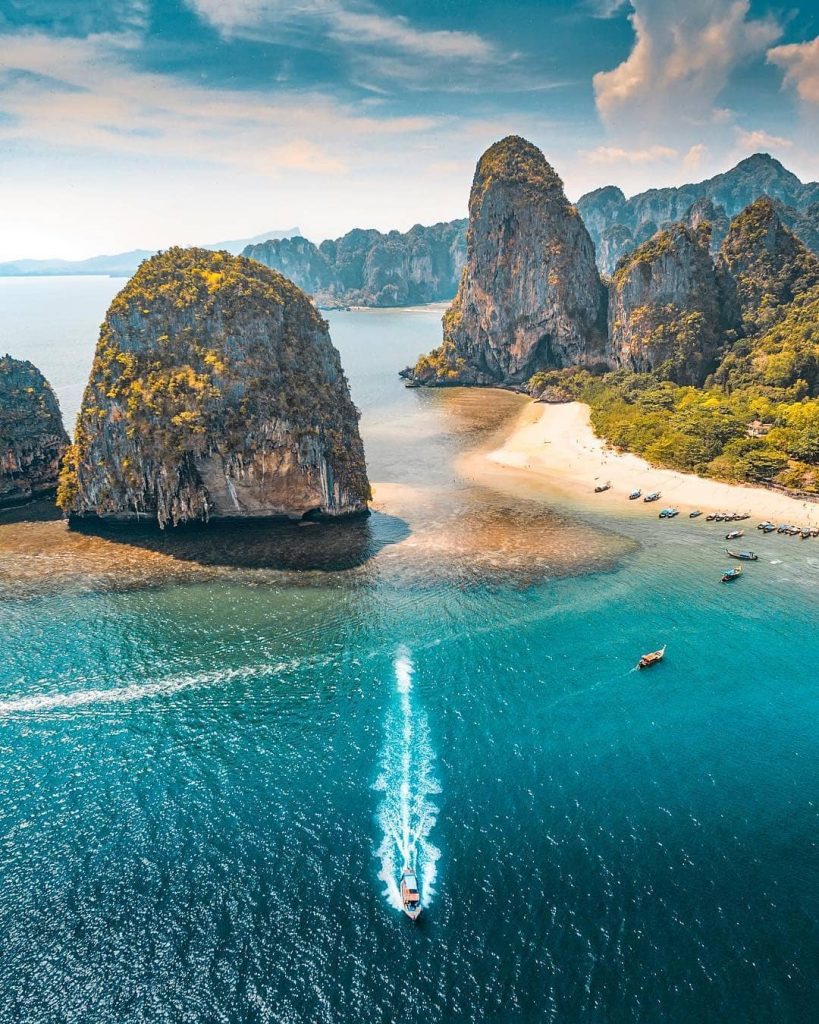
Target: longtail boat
(651, 658)
(746, 556)
(731, 574)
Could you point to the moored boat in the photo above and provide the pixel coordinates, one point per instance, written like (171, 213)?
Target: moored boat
(651, 658)
(602, 487)
(654, 496)
(734, 534)
(694, 514)
(635, 494)
(669, 513)
(745, 556)
(731, 574)
(410, 897)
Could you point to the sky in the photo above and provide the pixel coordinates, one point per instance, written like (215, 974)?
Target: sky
(146, 123)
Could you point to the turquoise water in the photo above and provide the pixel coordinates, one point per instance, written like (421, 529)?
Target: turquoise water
(206, 789)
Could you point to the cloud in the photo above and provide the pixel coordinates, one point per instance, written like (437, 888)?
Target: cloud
(621, 155)
(757, 140)
(605, 8)
(380, 49)
(682, 58)
(695, 157)
(362, 25)
(800, 62)
(46, 97)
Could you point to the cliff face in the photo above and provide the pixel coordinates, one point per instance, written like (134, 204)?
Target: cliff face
(769, 265)
(32, 436)
(215, 393)
(669, 309)
(618, 225)
(368, 268)
(530, 296)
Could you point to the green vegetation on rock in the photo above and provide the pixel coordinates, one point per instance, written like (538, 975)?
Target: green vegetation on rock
(212, 367)
(32, 436)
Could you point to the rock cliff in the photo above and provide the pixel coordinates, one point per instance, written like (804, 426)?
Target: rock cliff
(669, 309)
(32, 436)
(769, 265)
(368, 268)
(215, 393)
(618, 225)
(530, 296)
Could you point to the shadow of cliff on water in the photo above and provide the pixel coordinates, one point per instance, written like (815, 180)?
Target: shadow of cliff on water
(261, 544)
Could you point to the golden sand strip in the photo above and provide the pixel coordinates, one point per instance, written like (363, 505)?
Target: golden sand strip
(555, 447)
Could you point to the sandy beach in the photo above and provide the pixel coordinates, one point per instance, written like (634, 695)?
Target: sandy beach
(555, 447)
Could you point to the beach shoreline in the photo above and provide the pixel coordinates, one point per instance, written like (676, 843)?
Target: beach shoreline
(553, 448)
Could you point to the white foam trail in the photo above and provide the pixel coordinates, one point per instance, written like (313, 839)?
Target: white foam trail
(407, 779)
(71, 699)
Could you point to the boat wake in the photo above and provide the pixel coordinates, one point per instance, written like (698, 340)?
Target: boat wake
(407, 780)
(68, 700)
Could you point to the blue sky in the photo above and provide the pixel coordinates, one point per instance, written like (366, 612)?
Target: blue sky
(143, 123)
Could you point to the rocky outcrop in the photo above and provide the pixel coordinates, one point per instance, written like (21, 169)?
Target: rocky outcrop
(703, 214)
(32, 435)
(368, 268)
(530, 297)
(768, 263)
(611, 218)
(215, 393)
(669, 310)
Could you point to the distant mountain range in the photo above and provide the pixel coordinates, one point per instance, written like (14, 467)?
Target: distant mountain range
(121, 264)
(618, 225)
(372, 268)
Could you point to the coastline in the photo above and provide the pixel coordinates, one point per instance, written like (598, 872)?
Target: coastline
(554, 448)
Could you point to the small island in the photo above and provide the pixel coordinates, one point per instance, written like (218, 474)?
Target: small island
(32, 435)
(215, 394)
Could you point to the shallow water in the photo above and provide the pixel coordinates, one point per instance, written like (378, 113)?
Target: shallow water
(206, 787)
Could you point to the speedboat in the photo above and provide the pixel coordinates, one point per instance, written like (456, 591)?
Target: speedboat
(410, 897)
(734, 534)
(731, 574)
(602, 487)
(669, 513)
(694, 514)
(652, 658)
(654, 496)
(746, 556)
(634, 495)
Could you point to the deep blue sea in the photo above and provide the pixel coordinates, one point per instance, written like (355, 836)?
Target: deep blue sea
(208, 788)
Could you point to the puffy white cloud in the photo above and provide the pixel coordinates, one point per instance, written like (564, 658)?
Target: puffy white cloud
(800, 62)
(695, 157)
(682, 57)
(754, 141)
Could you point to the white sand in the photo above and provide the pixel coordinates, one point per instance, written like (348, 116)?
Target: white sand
(555, 445)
